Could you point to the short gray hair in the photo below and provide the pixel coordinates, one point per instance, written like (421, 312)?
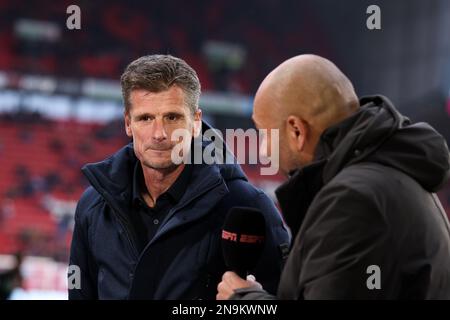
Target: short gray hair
(157, 73)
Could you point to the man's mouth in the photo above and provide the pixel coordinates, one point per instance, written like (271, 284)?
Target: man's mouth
(159, 149)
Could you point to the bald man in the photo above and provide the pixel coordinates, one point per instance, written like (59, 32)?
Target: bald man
(360, 199)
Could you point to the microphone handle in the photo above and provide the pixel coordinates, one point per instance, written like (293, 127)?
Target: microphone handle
(242, 273)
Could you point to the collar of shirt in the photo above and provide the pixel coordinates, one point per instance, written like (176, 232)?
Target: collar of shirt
(175, 191)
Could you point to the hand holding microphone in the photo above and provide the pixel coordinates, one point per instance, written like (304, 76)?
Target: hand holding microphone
(231, 281)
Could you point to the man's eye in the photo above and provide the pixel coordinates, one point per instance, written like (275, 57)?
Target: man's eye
(145, 118)
(172, 117)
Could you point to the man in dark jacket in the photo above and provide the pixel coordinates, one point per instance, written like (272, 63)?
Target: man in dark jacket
(148, 228)
(360, 201)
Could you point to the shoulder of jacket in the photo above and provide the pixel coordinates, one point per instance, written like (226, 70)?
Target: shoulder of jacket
(369, 185)
(364, 176)
(243, 193)
(243, 188)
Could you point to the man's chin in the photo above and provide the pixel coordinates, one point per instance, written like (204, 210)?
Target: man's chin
(160, 165)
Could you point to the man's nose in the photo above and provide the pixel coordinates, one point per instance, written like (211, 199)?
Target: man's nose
(159, 132)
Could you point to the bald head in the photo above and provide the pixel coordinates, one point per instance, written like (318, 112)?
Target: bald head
(301, 98)
(310, 87)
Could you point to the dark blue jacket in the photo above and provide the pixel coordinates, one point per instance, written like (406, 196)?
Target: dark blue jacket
(184, 259)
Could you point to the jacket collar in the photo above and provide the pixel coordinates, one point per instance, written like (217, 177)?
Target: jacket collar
(175, 191)
(206, 188)
(297, 193)
(113, 178)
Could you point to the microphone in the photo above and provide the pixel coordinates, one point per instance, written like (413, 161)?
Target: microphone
(243, 238)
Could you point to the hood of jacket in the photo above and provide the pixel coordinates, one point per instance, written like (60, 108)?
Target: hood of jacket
(377, 132)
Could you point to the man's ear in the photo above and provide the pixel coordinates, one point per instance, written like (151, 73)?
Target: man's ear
(128, 124)
(297, 131)
(197, 129)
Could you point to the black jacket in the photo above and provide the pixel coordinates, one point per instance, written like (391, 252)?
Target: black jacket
(184, 259)
(368, 200)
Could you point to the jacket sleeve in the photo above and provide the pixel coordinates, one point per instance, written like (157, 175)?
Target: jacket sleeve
(345, 251)
(271, 263)
(251, 294)
(82, 270)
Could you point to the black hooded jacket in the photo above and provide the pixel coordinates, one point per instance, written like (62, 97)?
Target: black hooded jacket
(366, 221)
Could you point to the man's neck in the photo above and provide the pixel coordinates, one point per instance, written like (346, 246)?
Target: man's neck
(158, 181)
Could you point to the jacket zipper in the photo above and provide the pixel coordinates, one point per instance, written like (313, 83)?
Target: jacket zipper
(127, 231)
(120, 217)
(125, 226)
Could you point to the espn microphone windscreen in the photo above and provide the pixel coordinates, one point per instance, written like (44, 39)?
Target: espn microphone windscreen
(243, 238)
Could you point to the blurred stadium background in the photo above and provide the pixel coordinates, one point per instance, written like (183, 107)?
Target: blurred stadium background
(60, 99)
